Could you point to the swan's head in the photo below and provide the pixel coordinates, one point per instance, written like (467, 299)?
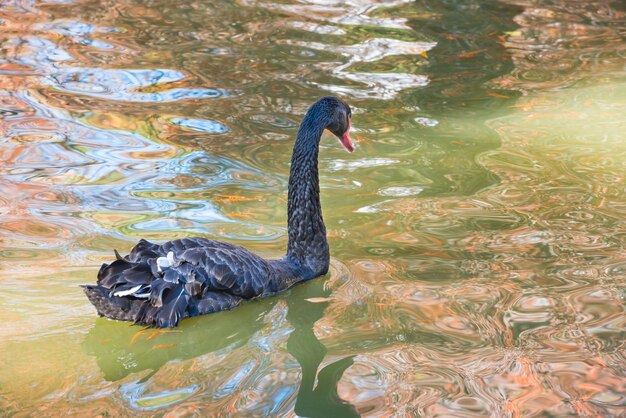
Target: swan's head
(340, 116)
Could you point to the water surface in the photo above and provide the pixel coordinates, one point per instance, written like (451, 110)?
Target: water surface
(477, 232)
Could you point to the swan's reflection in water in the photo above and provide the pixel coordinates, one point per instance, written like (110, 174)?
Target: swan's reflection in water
(122, 351)
(319, 400)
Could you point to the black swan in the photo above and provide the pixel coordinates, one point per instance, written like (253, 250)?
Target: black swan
(158, 285)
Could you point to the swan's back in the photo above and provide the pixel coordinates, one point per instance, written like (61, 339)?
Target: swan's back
(157, 285)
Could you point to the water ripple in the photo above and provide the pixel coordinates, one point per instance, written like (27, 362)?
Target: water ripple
(126, 85)
(381, 85)
(201, 125)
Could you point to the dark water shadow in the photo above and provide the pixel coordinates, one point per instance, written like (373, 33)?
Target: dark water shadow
(121, 350)
(319, 400)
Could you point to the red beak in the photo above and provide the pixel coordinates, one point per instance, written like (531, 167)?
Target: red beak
(346, 141)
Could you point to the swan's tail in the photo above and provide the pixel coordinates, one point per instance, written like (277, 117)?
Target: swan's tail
(138, 292)
(113, 307)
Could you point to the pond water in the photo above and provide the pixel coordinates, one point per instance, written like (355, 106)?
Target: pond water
(477, 233)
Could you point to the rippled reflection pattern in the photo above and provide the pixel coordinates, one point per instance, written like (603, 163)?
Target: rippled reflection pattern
(477, 232)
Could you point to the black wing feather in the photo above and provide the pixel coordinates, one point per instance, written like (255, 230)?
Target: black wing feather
(173, 309)
(207, 276)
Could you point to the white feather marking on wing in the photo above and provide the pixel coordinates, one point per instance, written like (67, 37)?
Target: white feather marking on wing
(164, 262)
(146, 292)
(122, 293)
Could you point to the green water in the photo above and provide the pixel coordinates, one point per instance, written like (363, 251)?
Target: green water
(477, 233)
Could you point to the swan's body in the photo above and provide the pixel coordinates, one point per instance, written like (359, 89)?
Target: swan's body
(157, 285)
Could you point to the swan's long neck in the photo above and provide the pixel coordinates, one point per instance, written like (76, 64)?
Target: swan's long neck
(307, 232)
